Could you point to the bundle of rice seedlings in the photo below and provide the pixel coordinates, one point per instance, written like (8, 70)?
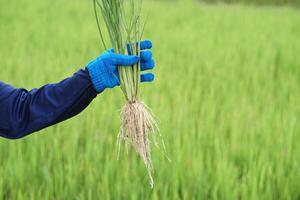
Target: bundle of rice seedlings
(124, 27)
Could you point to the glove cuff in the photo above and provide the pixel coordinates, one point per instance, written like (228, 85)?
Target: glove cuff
(95, 75)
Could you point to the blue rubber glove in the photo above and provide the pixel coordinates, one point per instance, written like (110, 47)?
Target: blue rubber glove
(104, 71)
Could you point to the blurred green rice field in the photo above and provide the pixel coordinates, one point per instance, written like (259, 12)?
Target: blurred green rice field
(227, 96)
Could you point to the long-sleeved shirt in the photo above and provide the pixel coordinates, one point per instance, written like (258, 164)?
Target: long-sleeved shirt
(23, 112)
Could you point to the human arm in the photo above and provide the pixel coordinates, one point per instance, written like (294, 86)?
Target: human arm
(23, 112)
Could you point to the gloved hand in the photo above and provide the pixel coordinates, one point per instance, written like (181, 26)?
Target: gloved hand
(104, 71)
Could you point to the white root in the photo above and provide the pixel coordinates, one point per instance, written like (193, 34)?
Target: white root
(137, 123)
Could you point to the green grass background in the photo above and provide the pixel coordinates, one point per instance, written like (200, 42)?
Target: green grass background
(226, 94)
(255, 2)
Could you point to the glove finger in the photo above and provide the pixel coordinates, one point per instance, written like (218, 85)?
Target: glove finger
(147, 65)
(146, 56)
(145, 44)
(124, 60)
(147, 77)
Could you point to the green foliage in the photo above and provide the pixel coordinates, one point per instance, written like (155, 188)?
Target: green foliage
(258, 2)
(226, 93)
(123, 25)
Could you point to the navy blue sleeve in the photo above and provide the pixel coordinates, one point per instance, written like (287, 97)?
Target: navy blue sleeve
(23, 112)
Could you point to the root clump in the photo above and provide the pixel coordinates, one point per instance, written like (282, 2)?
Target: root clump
(137, 124)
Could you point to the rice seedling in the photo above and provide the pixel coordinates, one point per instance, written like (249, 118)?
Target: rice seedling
(124, 27)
